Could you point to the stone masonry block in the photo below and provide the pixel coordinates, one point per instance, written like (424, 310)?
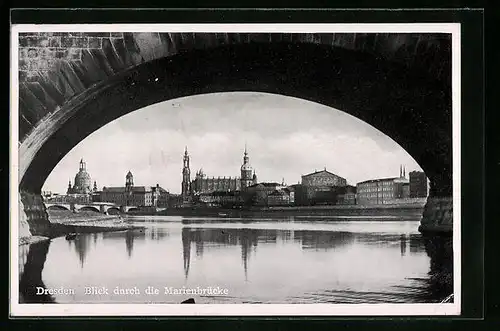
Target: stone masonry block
(55, 42)
(32, 53)
(45, 34)
(28, 34)
(33, 42)
(96, 34)
(95, 42)
(74, 53)
(32, 76)
(23, 64)
(23, 52)
(33, 65)
(61, 53)
(42, 64)
(43, 42)
(46, 53)
(23, 74)
(74, 42)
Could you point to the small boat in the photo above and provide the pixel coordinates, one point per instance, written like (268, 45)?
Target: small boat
(71, 236)
(222, 214)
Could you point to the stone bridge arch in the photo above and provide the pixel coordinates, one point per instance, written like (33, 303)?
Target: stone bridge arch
(112, 210)
(89, 208)
(398, 83)
(57, 207)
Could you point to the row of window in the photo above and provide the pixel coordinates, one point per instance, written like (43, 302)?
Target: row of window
(376, 189)
(364, 195)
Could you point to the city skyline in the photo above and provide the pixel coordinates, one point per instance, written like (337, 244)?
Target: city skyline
(285, 137)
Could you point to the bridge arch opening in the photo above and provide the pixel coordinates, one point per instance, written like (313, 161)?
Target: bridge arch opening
(89, 208)
(113, 211)
(57, 207)
(398, 102)
(286, 138)
(410, 105)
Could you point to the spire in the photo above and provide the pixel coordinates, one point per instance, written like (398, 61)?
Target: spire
(186, 151)
(404, 171)
(400, 170)
(246, 149)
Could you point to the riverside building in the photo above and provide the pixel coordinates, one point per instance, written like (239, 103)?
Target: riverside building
(131, 195)
(321, 187)
(383, 190)
(418, 184)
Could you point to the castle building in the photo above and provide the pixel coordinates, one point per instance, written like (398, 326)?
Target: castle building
(203, 185)
(83, 181)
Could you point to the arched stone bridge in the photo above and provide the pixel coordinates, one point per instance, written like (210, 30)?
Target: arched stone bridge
(100, 207)
(104, 208)
(71, 84)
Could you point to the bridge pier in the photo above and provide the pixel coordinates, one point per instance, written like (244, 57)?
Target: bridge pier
(437, 216)
(33, 217)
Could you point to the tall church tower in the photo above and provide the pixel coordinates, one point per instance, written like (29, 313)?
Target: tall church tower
(246, 171)
(186, 178)
(129, 183)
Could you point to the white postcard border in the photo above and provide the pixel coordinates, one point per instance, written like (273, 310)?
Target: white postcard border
(427, 309)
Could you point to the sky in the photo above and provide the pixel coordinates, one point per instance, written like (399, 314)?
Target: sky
(285, 137)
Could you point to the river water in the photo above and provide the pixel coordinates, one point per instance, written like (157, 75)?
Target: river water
(221, 260)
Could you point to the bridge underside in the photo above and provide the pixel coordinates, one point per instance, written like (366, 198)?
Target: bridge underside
(409, 104)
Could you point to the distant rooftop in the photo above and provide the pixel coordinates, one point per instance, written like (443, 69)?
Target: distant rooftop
(120, 189)
(384, 180)
(320, 171)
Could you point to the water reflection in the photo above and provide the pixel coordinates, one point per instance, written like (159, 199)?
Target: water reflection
(129, 242)
(30, 277)
(81, 244)
(315, 260)
(403, 244)
(249, 239)
(440, 251)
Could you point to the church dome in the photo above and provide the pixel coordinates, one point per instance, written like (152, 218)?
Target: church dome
(83, 182)
(83, 178)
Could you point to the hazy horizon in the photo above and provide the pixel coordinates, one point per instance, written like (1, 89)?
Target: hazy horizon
(286, 137)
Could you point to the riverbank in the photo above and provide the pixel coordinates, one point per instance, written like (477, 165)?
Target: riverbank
(395, 211)
(64, 222)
